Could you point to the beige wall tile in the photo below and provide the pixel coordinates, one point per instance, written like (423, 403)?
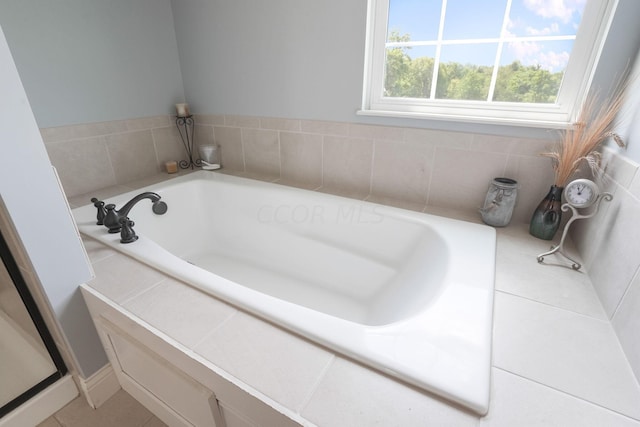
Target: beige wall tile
(168, 145)
(376, 132)
(82, 164)
(230, 141)
(148, 122)
(402, 170)
(242, 121)
(133, 155)
(535, 176)
(439, 138)
(209, 119)
(325, 128)
(301, 157)
(347, 164)
(460, 177)
(279, 124)
(203, 135)
(261, 151)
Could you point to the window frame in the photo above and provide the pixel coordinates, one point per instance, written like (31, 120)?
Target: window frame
(595, 24)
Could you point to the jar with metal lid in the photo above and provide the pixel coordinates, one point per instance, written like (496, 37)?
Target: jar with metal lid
(499, 202)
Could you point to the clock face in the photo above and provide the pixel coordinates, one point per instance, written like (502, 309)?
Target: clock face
(581, 193)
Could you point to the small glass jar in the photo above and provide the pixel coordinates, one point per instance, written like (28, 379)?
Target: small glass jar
(210, 156)
(499, 202)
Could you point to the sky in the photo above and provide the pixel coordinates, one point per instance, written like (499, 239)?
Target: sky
(467, 19)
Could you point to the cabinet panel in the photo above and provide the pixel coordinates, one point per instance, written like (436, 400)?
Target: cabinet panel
(183, 395)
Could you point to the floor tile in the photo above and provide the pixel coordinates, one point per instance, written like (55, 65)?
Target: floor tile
(121, 410)
(516, 401)
(564, 350)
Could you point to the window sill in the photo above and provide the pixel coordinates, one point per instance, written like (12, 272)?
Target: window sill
(461, 118)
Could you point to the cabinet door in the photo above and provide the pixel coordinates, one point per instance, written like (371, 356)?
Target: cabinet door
(147, 376)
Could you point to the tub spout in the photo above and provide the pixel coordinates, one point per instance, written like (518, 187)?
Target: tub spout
(112, 219)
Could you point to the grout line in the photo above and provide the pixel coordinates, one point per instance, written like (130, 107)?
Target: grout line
(316, 384)
(548, 386)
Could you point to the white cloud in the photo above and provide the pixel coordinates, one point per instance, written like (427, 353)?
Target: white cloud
(560, 9)
(532, 53)
(552, 29)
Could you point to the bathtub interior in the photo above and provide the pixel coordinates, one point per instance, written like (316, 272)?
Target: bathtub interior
(351, 260)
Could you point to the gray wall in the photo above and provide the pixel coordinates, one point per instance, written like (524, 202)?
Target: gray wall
(304, 59)
(90, 60)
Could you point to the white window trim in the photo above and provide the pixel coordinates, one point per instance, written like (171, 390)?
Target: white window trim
(586, 52)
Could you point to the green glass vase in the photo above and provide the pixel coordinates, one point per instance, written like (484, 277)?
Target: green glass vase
(545, 220)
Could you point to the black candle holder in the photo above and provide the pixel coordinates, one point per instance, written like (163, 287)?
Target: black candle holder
(186, 127)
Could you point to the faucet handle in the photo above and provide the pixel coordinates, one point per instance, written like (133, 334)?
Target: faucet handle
(127, 235)
(102, 212)
(111, 219)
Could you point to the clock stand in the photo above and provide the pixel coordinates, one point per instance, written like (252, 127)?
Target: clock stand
(559, 249)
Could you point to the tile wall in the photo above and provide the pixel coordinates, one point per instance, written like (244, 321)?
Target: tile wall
(412, 168)
(409, 167)
(610, 246)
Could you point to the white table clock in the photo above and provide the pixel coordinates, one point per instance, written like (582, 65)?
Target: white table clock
(579, 194)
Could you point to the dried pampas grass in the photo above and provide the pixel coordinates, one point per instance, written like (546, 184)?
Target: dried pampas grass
(581, 141)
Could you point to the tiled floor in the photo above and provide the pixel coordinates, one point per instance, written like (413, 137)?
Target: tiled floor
(121, 410)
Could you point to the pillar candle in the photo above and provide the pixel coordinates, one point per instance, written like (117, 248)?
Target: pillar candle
(182, 110)
(172, 167)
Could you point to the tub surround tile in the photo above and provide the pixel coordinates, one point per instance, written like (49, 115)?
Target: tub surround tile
(102, 194)
(516, 401)
(231, 152)
(269, 359)
(388, 201)
(280, 124)
(554, 282)
(168, 147)
(353, 390)
(376, 132)
(119, 277)
(347, 164)
(460, 178)
(202, 135)
(82, 164)
(530, 191)
(242, 121)
(557, 347)
(132, 155)
(180, 311)
(261, 151)
(209, 119)
(402, 170)
(149, 123)
(438, 138)
(615, 266)
(325, 128)
(626, 322)
(301, 158)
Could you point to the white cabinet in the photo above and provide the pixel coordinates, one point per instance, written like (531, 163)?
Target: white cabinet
(169, 393)
(178, 386)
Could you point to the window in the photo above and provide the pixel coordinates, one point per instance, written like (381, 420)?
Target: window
(520, 62)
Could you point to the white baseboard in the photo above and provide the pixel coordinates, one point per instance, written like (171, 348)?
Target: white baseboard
(43, 405)
(100, 386)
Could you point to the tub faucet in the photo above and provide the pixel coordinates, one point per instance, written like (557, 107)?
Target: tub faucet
(113, 217)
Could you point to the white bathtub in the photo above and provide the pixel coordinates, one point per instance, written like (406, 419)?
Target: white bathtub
(409, 294)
